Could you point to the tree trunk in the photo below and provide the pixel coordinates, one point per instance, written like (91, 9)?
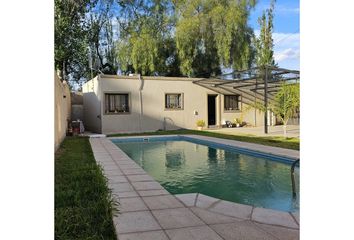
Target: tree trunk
(284, 130)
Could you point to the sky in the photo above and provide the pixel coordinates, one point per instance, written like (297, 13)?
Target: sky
(286, 35)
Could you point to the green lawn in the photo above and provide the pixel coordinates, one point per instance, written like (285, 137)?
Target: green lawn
(290, 143)
(83, 203)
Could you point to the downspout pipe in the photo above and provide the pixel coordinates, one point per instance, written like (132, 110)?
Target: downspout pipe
(141, 102)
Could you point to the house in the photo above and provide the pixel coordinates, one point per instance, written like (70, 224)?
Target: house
(122, 104)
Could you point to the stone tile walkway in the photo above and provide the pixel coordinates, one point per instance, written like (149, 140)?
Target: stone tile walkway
(148, 212)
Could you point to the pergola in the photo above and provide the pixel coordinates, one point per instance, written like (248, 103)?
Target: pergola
(254, 84)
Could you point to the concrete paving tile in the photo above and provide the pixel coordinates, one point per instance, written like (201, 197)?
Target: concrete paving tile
(133, 171)
(111, 168)
(105, 160)
(204, 201)
(244, 230)
(153, 193)
(102, 161)
(108, 164)
(102, 155)
(270, 216)
(131, 204)
(119, 155)
(296, 215)
(117, 179)
(127, 161)
(121, 158)
(188, 199)
(111, 173)
(122, 162)
(127, 194)
(128, 166)
(99, 150)
(280, 232)
(120, 187)
(176, 218)
(130, 222)
(162, 202)
(147, 186)
(211, 217)
(232, 209)
(153, 235)
(193, 233)
(140, 178)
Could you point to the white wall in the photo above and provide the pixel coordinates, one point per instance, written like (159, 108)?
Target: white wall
(154, 115)
(153, 98)
(62, 110)
(92, 105)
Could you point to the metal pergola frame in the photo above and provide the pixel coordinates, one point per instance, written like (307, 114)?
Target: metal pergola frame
(254, 84)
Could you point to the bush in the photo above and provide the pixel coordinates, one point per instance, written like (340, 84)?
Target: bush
(200, 123)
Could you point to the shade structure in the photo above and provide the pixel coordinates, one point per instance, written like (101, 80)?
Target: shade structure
(259, 84)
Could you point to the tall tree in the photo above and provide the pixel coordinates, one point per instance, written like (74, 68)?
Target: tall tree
(264, 43)
(145, 44)
(101, 37)
(70, 51)
(211, 34)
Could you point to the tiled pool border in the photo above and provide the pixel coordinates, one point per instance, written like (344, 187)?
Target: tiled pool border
(130, 182)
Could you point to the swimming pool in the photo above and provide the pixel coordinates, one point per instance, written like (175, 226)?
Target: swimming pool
(188, 165)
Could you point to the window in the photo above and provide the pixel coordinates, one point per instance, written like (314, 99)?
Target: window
(231, 102)
(116, 103)
(173, 101)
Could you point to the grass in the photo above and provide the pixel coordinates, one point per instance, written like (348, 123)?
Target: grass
(83, 202)
(289, 143)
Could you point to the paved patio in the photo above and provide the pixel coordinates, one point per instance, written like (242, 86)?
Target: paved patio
(148, 211)
(292, 131)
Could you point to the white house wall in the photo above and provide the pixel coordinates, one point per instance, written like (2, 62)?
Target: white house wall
(92, 105)
(154, 115)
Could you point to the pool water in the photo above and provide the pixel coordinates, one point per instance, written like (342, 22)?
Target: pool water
(187, 167)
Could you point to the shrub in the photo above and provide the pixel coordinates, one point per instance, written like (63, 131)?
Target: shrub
(200, 123)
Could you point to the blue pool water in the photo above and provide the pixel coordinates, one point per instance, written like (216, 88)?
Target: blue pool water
(187, 165)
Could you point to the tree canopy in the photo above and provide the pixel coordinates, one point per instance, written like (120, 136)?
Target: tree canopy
(158, 37)
(211, 34)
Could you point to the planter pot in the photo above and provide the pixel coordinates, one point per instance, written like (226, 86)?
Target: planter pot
(200, 128)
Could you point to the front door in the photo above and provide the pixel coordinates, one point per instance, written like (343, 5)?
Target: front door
(211, 109)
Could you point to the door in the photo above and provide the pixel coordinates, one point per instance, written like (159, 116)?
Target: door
(211, 109)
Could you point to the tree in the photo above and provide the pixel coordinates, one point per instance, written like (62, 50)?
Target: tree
(83, 27)
(100, 37)
(70, 46)
(145, 45)
(264, 43)
(211, 34)
(287, 103)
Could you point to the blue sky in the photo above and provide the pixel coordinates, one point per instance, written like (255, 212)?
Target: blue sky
(286, 33)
